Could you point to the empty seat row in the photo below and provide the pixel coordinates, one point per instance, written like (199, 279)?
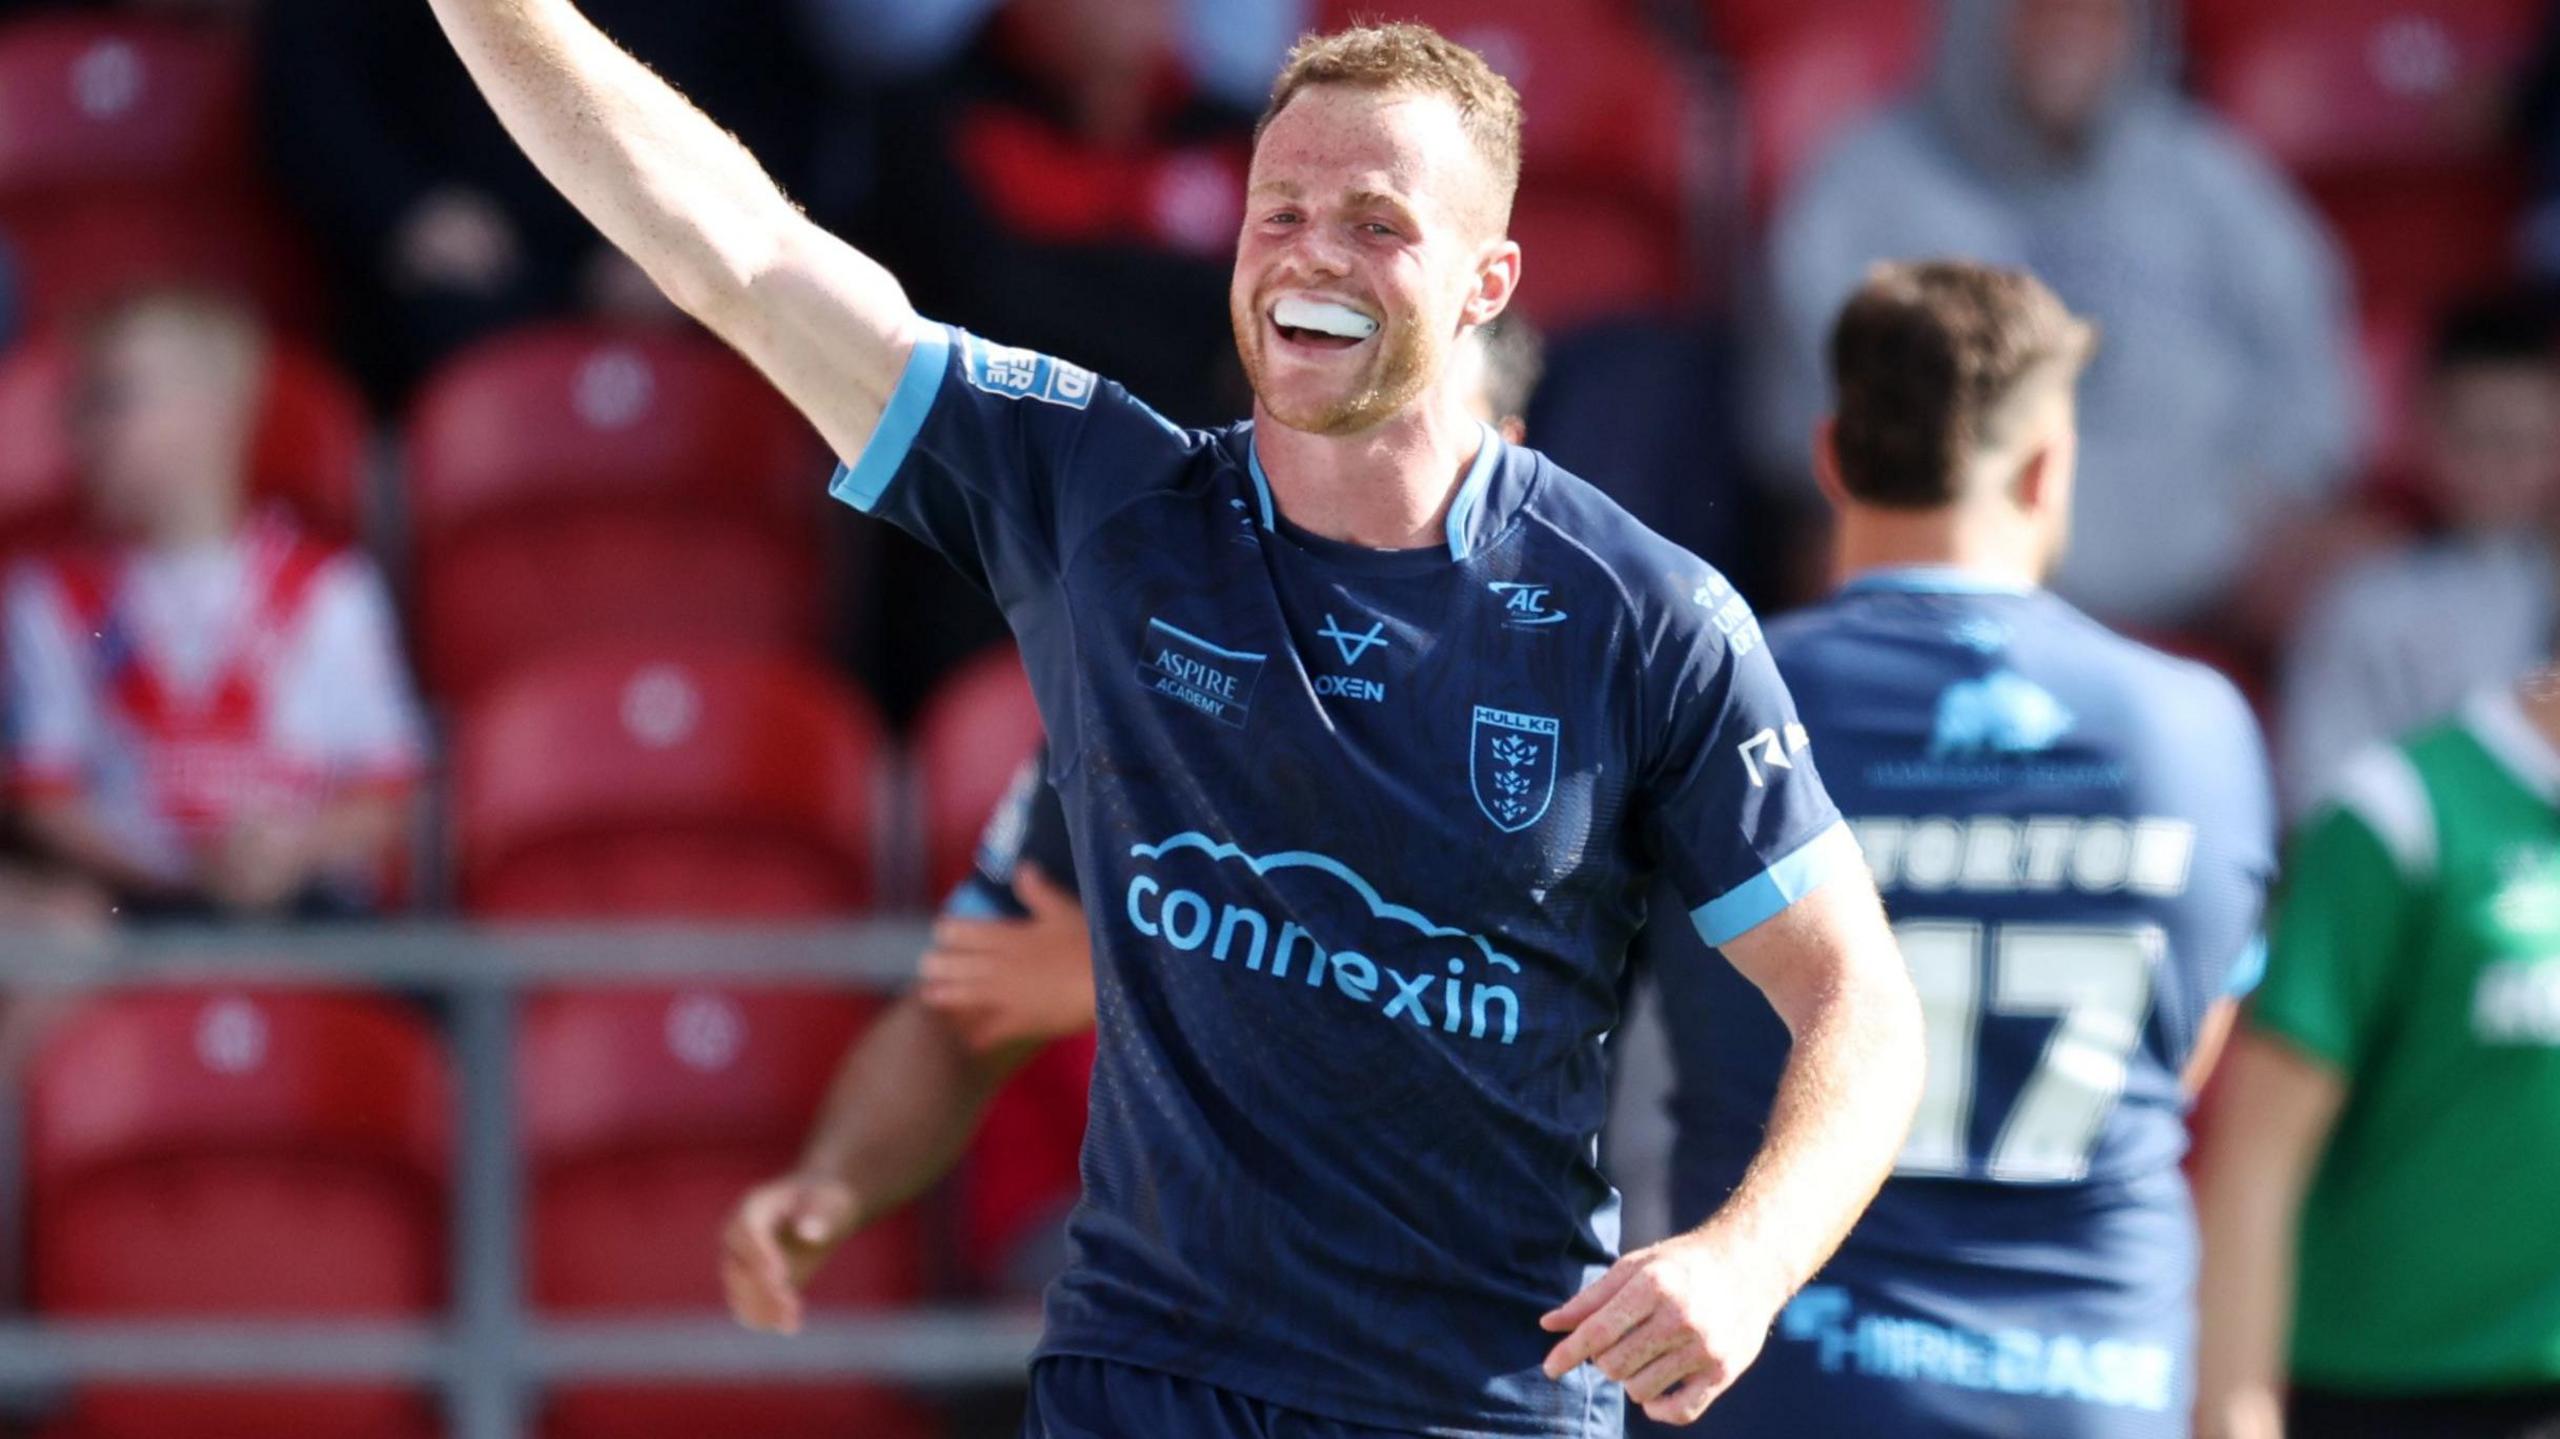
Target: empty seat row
(290, 1155)
(704, 783)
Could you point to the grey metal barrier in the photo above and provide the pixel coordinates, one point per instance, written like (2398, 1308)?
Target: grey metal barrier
(490, 1354)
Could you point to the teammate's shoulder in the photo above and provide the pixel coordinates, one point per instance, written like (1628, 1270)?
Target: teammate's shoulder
(2173, 683)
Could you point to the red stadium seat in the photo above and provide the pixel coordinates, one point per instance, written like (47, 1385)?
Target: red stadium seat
(1022, 1175)
(647, 1113)
(2359, 85)
(1616, 147)
(89, 102)
(1808, 75)
(240, 1153)
(970, 738)
(2420, 240)
(310, 446)
(572, 484)
(125, 159)
(675, 782)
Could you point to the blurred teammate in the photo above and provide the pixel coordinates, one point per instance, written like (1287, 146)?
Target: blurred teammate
(2073, 835)
(2381, 1256)
(1368, 724)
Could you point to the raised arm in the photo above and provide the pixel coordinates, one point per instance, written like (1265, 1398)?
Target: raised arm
(685, 201)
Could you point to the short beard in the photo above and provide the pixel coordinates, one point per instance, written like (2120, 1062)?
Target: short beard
(1405, 363)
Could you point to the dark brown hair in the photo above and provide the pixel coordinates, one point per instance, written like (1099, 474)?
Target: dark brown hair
(1924, 359)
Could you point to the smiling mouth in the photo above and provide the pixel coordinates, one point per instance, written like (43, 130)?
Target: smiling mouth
(1320, 324)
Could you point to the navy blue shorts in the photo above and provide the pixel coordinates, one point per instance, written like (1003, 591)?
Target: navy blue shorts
(1078, 1398)
(1889, 1359)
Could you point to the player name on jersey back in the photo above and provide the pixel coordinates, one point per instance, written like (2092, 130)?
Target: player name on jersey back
(1996, 854)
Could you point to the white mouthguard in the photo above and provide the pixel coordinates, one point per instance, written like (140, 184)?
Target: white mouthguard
(1324, 317)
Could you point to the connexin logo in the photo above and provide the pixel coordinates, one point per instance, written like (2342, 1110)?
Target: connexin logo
(1452, 996)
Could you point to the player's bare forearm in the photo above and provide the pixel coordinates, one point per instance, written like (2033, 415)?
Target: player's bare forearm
(902, 1107)
(691, 206)
(1830, 967)
(2271, 1119)
(1678, 1322)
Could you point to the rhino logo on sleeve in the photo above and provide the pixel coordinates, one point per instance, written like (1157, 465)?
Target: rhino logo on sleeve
(2001, 714)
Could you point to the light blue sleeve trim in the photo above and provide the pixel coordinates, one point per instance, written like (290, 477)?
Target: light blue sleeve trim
(1261, 482)
(2247, 971)
(1462, 510)
(868, 479)
(1813, 864)
(972, 901)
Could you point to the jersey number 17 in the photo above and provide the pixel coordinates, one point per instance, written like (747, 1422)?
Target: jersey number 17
(2096, 981)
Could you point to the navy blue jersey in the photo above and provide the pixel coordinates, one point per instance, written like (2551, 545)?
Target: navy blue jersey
(1026, 824)
(2073, 834)
(1364, 836)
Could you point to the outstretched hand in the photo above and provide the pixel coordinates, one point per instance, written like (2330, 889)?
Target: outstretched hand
(1676, 1323)
(775, 1240)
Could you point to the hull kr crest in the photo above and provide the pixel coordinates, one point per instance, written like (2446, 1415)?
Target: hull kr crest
(1512, 761)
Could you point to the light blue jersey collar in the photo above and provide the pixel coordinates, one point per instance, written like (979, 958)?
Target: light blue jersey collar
(1931, 580)
(1463, 510)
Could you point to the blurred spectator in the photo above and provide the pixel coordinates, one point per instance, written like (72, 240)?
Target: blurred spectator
(2376, 1184)
(210, 709)
(2404, 637)
(1068, 188)
(2220, 411)
(1232, 48)
(1071, 188)
(438, 229)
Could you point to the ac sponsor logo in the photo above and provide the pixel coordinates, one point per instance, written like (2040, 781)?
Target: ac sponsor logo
(1191, 671)
(1315, 924)
(1524, 606)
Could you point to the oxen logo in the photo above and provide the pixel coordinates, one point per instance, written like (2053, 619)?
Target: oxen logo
(1512, 761)
(1999, 715)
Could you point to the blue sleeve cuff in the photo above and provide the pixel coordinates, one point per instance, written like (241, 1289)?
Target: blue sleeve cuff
(975, 898)
(2247, 970)
(862, 485)
(1809, 867)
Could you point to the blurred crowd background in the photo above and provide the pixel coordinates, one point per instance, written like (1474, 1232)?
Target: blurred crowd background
(380, 544)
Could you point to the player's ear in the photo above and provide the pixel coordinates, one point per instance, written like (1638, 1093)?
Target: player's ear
(1826, 466)
(1497, 279)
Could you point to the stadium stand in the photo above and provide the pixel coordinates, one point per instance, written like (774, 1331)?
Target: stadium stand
(2391, 114)
(235, 1154)
(570, 484)
(1807, 70)
(125, 157)
(309, 451)
(646, 1113)
(970, 739)
(1617, 149)
(669, 782)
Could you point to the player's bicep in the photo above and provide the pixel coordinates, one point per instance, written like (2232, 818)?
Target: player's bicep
(831, 328)
(1834, 940)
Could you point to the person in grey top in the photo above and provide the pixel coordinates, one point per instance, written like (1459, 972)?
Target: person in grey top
(2404, 637)
(2051, 137)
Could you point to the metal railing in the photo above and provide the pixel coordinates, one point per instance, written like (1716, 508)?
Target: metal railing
(491, 1353)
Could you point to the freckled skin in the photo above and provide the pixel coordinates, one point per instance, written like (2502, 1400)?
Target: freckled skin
(1376, 199)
